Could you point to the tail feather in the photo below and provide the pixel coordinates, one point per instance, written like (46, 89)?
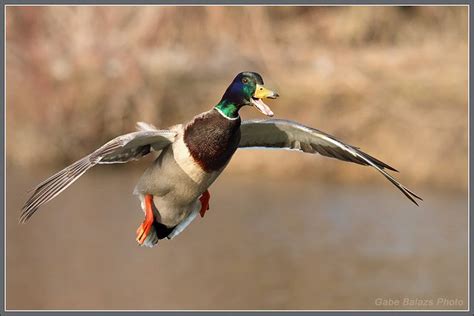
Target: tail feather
(151, 239)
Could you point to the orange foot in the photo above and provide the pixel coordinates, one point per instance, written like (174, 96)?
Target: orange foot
(204, 202)
(145, 227)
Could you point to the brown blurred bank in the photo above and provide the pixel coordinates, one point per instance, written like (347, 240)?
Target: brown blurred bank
(392, 80)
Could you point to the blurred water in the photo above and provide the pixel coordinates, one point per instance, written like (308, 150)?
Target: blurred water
(264, 244)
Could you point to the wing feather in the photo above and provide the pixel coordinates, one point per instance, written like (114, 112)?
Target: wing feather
(291, 135)
(121, 149)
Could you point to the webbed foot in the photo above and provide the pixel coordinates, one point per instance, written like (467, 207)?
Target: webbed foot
(145, 228)
(205, 197)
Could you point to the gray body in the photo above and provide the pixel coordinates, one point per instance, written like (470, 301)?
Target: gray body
(176, 182)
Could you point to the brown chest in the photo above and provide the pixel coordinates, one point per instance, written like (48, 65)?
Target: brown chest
(212, 140)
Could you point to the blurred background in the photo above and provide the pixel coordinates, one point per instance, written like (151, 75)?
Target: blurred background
(285, 230)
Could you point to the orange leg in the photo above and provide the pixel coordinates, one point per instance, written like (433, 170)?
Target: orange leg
(145, 227)
(204, 202)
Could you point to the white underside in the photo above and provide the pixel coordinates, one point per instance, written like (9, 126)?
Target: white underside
(186, 221)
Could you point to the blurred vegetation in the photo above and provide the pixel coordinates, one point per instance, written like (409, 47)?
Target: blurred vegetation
(392, 80)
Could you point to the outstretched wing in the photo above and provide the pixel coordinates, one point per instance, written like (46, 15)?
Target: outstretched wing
(291, 135)
(121, 149)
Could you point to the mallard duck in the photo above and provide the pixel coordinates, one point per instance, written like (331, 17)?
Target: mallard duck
(174, 189)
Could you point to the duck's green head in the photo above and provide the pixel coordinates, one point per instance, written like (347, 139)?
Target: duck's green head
(246, 89)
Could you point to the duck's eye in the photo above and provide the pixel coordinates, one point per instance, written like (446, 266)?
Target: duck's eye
(245, 80)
